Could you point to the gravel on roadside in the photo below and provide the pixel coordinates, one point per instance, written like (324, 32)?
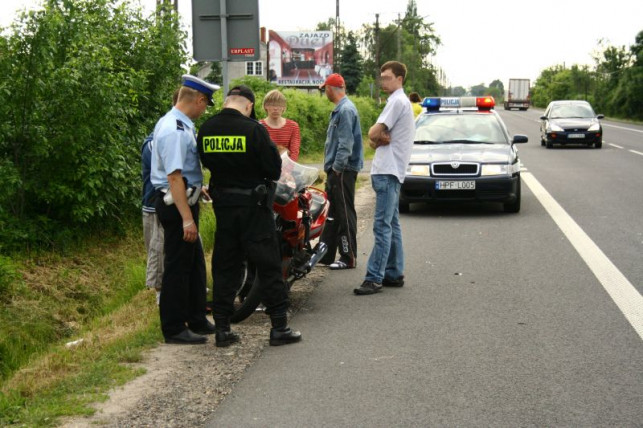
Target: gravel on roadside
(183, 385)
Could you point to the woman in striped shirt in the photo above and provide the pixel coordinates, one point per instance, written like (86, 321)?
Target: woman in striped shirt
(283, 132)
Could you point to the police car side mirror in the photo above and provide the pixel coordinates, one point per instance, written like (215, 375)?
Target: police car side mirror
(600, 116)
(543, 117)
(519, 138)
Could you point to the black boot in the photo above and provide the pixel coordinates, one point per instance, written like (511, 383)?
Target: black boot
(281, 334)
(223, 336)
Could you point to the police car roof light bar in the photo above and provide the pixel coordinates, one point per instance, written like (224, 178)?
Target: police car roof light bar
(436, 103)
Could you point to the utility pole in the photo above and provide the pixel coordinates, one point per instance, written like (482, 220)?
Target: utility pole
(399, 38)
(337, 41)
(377, 55)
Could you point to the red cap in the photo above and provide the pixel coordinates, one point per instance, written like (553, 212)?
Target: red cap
(333, 80)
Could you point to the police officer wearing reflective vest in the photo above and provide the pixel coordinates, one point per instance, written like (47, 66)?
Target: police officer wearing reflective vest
(244, 163)
(176, 175)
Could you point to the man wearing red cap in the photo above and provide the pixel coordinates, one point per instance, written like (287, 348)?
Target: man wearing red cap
(343, 159)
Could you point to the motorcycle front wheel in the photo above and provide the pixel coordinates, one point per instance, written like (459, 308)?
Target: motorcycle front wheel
(248, 295)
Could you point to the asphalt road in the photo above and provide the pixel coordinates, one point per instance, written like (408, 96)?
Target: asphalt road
(507, 320)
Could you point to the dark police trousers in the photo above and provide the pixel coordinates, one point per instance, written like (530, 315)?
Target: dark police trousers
(340, 231)
(184, 279)
(246, 233)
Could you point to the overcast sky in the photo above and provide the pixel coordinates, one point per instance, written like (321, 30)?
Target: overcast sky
(481, 40)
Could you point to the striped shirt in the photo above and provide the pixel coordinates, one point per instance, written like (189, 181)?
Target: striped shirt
(287, 136)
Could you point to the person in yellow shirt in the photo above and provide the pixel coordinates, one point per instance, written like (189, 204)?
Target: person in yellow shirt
(415, 99)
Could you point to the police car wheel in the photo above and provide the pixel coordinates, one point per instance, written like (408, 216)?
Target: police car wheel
(514, 207)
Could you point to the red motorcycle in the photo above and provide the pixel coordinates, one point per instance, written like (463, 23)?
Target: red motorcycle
(300, 214)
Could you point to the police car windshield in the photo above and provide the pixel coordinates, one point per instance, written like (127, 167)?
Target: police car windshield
(444, 128)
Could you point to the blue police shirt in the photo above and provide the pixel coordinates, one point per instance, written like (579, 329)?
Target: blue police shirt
(174, 148)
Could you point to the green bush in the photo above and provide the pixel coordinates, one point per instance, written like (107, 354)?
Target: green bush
(83, 82)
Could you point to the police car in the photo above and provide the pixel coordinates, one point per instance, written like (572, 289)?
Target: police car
(462, 152)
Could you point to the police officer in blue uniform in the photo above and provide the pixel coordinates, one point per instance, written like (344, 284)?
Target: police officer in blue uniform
(176, 175)
(244, 163)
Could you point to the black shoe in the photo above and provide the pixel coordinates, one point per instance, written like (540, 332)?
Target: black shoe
(207, 328)
(285, 336)
(186, 337)
(399, 282)
(368, 287)
(225, 338)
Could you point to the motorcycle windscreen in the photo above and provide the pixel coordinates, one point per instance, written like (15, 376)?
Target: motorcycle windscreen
(294, 177)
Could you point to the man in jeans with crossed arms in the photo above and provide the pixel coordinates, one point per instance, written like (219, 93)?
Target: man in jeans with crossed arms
(392, 138)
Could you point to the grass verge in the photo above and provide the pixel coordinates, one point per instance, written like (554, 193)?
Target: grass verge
(65, 380)
(95, 296)
(92, 295)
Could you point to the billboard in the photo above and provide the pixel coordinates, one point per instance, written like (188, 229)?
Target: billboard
(300, 58)
(242, 25)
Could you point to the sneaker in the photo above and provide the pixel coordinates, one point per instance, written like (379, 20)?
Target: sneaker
(368, 287)
(399, 282)
(340, 264)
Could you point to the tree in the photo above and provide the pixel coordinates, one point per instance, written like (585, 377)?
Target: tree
(637, 50)
(352, 64)
(216, 72)
(458, 91)
(613, 87)
(611, 61)
(339, 35)
(411, 41)
(627, 98)
(541, 91)
(83, 83)
(478, 90)
(497, 84)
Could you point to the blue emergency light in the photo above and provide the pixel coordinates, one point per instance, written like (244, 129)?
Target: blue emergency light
(431, 104)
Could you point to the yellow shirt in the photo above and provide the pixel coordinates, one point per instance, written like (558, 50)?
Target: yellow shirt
(417, 109)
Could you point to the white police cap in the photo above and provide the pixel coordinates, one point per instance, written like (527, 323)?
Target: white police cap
(200, 85)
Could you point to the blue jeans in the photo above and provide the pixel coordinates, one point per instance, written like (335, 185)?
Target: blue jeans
(387, 258)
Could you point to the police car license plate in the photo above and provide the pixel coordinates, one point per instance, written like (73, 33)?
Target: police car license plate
(455, 185)
(576, 136)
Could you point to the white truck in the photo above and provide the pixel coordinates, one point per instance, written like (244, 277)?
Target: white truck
(517, 94)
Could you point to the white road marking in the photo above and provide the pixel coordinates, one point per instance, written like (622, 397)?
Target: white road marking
(638, 153)
(614, 145)
(622, 127)
(626, 297)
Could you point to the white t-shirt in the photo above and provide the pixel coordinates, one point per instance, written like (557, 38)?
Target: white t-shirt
(393, 158)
